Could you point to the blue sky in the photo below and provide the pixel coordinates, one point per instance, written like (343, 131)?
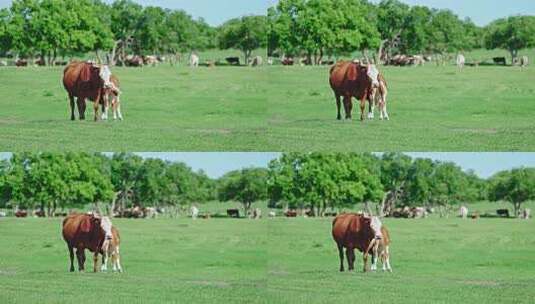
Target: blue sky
(215, 12)
(216, 164)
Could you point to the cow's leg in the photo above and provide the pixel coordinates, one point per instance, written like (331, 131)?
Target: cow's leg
(375, 257)
(117, 263)
(387, 259)
(347, 106)
(81, 107)
(362, 107)
(105, 106)
(96, 105)
(371, 103)
(341, 254)
(95, 261)
(71, 256)
(71, 102)
(350, 254)
(105, 258)
(118, 108)
(80, 255)
(338, 106)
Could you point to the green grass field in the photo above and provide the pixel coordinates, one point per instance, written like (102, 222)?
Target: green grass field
(273, 261)
(274, 109)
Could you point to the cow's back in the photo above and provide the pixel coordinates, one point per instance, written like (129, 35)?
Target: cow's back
(71, 74)
(352, 231)
(71, 227)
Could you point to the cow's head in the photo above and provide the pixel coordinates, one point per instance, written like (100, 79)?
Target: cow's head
(105, 224)
(105, 75)
(90, 223)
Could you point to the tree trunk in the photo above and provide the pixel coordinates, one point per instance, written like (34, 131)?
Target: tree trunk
(380, 52)
(367, 208)
(97, 53)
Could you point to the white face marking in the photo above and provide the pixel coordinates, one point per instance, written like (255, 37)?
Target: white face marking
(105, 224)
(105, 75)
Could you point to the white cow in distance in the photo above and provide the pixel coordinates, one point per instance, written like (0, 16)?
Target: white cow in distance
(194, 60)
(461, 61)
(194, 212)
(463, 212)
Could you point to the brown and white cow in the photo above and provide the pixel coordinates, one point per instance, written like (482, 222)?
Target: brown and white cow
(378, 94)
(85, 80)
(348, 80)
(112, 95)
(81, 232)
(110, 246)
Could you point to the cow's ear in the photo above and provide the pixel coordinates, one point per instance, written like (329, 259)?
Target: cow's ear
(86, 224)
(85, 73)
(352, 72)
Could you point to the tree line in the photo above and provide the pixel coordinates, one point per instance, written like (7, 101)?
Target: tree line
(318, 28)
(57, 28)
(315, 181)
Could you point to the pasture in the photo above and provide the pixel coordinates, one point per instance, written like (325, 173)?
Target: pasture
(273, 261)
(274, 109)
(431, 109)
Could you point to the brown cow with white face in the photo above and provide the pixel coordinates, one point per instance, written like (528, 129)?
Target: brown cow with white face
(83, 231)
(85, 80)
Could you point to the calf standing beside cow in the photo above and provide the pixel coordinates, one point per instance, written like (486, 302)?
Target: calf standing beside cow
(86, 80)
(95, 233)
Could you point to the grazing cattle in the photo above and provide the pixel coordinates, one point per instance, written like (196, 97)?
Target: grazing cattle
(112, 94)
(194, 212)
(287, 61)
(39, 213)
(461, 61)
(270, 61)
(60, 63)
(418, 212)
(272, 214)
(503, 212)
(257, 61)
(524, 61)
(234, 213)
(500, 60)
(3, 214)
(151, 212)
(150, 60)
(526, 214)
(3, 63)
(110, 246)
(348, 80)
(194, 60)
(256, 214)
(475, 215)
(463, 212)
(85, 80)
(81, 232)
(233, 60)
(352, 231)
(290, 213)
(21, 63)
(39, 62)
(21, 213)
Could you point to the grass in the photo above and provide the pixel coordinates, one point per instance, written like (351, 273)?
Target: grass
(431, 109)
(272, 261)
(274, 109)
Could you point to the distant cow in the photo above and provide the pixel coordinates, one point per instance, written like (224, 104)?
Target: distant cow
(150, 60)
(272, 214)
(499, 60)
(257, 61)
(348, 80)
(85, 80)
(3, 63)
(84, 231)
(234, 213)
(233, 60)
(526, 214)
(134, 61)
(461, 61)
(21, 63)
(194, 212)
(287, 61)
(463, 212)
(110, 246)
(40, 62)
(290, 213)
(21, 213)
(194, 60)
(503, 212)
(256, 213)
(418, 212)
(3, 214)
(352, 231)
(524, 61)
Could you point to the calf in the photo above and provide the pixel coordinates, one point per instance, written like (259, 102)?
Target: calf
(112, 94)
(110, 247)
(381, 250)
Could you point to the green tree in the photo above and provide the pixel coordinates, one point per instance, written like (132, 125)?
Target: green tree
(245, 186)
(513, 34)
(245, 34)
(516, 186)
